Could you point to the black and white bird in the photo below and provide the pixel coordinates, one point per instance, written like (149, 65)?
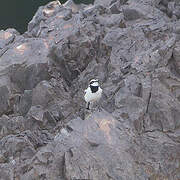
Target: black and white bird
(93, 93)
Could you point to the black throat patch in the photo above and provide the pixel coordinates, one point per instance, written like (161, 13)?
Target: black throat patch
(94, 88)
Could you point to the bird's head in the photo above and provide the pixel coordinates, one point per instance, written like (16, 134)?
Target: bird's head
(94, 82)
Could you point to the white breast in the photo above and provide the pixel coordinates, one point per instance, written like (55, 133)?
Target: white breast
(91, 97)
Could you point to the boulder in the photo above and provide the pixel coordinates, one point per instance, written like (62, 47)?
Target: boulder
(40, 117)
(163, 106)
(32, 66)
(14, 147)
(101, 147)
(42, 94)
(131, 14)
(27, 66)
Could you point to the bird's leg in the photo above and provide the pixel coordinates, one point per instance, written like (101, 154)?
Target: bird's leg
(87, 105)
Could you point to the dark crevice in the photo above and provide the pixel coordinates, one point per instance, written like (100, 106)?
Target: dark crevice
(157, 130)
(147, 108)
(176, 140)
(3, 51)
(149, 99)
(63, 172)
(69, 129)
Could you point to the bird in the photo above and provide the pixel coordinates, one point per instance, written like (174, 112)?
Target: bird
(93, 93)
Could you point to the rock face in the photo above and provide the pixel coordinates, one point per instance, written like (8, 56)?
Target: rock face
(133, 48)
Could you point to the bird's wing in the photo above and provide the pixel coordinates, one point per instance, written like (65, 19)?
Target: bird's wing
(86, 90)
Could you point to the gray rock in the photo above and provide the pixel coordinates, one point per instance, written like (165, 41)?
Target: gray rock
(163, 106)
(115, 20)
(49, 119)
(130, 108)
(42, 94)
(23, 103)
(39, 117)
(71, 5)
(27, 66)
(100, 142)
(93, 145)
(177, 13)
(177, 27)
(171, 8)
(37, 138)
(12, 125)
(32, 69)
(4, 100)
(35, 115)
(6, 37)
(114, 8)
(73, 56)
(131, 14)
(105, 3)
(6, 174)
(176, 56)
(14, 146)
(132, 47)
(42, 14)
(68, 15)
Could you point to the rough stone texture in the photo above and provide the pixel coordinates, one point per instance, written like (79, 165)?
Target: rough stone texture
(22, 103)
(133, 48)
(12, 125)
(42, 94)
(171, 8)
(4, 99)
(176, 56)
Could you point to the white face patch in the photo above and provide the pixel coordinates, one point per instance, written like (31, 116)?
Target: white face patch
(94, 84)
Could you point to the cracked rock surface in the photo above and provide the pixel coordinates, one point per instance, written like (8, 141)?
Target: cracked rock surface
(133, 48)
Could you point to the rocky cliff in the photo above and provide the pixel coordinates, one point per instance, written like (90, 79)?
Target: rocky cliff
(133, 48)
